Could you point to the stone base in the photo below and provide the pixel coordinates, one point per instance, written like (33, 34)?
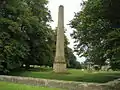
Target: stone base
(59, 68)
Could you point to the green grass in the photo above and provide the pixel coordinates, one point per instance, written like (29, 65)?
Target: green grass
(12, 86)
(75, 75)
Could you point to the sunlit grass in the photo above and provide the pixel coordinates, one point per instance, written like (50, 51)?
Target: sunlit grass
(13, 86)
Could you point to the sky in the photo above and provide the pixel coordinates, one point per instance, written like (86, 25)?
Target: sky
(70, 8)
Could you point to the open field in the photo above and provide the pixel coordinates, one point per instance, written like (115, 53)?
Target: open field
(12, 86)
(74, 75)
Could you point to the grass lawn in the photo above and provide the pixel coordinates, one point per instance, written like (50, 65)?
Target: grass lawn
(75, 75)
(12, 86)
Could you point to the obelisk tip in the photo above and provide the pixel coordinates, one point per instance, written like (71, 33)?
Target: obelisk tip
(61, 6)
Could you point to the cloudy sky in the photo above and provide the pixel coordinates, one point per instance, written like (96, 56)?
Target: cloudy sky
(70, 7)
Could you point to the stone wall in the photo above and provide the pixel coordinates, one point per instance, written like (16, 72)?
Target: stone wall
(68, 85)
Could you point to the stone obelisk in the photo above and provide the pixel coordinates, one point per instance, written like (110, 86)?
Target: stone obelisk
(59, 65)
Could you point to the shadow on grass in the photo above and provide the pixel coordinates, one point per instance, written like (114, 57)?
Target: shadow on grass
(97, 78)
(40, 69)
(26, 72)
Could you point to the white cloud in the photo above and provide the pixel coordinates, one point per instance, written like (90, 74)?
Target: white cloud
(70, 7)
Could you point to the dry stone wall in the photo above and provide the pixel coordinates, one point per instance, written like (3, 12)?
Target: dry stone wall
(68, 85)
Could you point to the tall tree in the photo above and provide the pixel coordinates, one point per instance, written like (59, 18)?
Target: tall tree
(24, 33)
(14, 48)
(95, 37)
(39, 32)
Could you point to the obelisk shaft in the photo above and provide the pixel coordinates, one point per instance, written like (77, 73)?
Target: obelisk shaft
(60, 33)
(59, 63)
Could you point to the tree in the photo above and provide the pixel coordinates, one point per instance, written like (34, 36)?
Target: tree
(111, 12)
(13, 49)
(24, 33)
(95, 37)
(71, 59)
(39, 32)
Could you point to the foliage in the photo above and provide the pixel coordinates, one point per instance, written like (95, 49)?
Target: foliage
(71, 59)
(24, 33)
(111, 11)
(96, 67)
(96, 39)
(13, 48)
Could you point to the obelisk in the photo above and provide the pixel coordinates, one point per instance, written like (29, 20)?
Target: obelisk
(59, 65)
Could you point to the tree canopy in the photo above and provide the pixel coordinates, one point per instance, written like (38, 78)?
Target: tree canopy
(24, 33)
(96, 38)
